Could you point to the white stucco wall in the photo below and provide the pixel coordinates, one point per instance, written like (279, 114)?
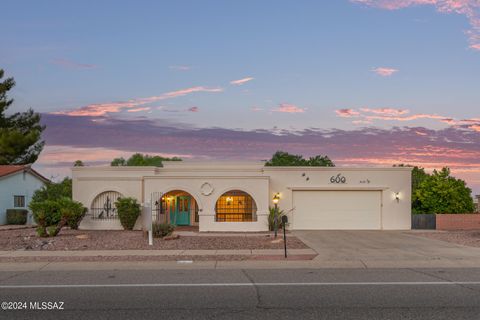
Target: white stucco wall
(395, 215)
(88, 182)
(17, 184)
(251, 177)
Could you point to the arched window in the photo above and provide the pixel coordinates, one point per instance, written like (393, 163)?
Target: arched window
(103, 206)
(235, 206)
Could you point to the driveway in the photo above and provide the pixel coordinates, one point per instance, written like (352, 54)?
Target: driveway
(387, 249)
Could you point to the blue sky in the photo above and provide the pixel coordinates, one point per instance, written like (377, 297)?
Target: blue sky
(331, 67)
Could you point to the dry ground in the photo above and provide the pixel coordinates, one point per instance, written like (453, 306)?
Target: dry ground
(27, 239)
(467, 237)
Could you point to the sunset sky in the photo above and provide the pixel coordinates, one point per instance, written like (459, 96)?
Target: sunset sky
(368, 83)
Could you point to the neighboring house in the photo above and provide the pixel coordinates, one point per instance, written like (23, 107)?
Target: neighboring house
(17, 185)
(236, 196)
(477, 203)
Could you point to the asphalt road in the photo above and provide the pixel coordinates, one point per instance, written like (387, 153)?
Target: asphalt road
(244, 294)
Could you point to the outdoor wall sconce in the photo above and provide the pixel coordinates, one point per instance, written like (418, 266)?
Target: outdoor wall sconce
(276, 197)
(397, 196)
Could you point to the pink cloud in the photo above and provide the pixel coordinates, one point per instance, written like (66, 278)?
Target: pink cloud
(386, 111)
(240, 82)
(469, 8)
(139, 109)
(289, 108)
(193, 109)
(101, 109)
(384, 71)
(368, 115)
(407, 118)
(421, 133)
(475, 127)
(347, 113)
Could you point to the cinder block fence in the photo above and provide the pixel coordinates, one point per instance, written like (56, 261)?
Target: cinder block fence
(458, 221)
(469, 221)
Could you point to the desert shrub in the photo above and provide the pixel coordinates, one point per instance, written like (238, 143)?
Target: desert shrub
(45, 213)
(52, 215)
(72, 211)
(17, 216)
(160, 230)
(128, 210)
(271, 218)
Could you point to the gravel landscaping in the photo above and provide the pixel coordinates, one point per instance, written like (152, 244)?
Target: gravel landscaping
(466, 238)
(27, 239)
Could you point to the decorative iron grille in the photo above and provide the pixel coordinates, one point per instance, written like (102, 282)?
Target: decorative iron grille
(158, 207)
(103, 206)
(235, 206)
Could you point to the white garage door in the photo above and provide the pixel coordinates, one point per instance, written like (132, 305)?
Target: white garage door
(337, 210)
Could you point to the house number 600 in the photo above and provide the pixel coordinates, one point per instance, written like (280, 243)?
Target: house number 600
(338, 179)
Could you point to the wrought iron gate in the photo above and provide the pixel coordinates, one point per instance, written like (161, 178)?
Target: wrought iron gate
(158, 211)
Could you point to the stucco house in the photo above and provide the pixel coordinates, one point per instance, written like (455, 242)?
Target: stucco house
(236, 196)
(17, 185)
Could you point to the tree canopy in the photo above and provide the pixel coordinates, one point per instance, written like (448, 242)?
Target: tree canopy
(20, 132)
(54, 191)
(139, 159)
(285, 159)
(78, 163)
(439, 192)
(442, 193)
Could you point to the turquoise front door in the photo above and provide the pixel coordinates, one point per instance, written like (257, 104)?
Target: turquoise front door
(180, 211)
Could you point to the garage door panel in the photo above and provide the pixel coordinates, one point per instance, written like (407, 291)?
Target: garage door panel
(337, 210)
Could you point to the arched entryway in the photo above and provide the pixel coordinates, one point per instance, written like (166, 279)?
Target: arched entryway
(176, 207)
(235, 206)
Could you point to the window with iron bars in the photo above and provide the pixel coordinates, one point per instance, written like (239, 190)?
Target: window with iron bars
(235, 206)
(103, 206)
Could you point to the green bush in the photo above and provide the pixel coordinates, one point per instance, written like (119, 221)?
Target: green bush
(271, 218)
(72, 211)
(46, 213)
(128, 210)
(160, 230)
(17, 216)
(52, 215)
(440, 192)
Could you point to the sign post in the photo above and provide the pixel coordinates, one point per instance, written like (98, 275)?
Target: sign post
(147, 221)
(284, 222)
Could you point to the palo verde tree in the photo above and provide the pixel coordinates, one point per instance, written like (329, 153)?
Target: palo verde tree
(20, 132)
(285, 159)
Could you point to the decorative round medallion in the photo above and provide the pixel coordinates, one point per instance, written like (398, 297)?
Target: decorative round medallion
(206, 189)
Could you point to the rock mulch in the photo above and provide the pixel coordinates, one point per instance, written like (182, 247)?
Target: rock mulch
(466, 238)
(27, 239)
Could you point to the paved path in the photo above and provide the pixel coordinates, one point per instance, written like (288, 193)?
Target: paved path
(246, 294)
